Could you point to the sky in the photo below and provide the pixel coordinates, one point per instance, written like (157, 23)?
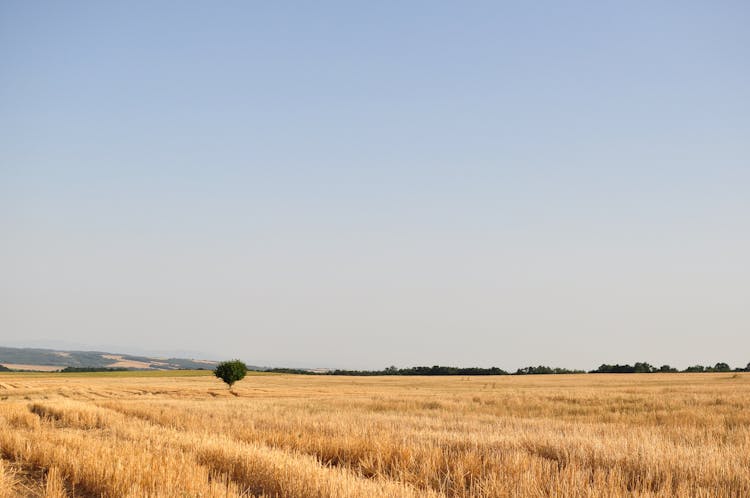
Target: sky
(364, 184)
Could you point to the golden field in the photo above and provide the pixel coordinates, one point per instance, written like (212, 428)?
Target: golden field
(318, 436)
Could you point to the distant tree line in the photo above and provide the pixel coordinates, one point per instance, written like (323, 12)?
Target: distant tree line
(433, 370)
(443, 370)
(647, 368)
(638, 367)
(298, 371)
(543, 370)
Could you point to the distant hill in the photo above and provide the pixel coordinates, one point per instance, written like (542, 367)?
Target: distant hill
(52, 359)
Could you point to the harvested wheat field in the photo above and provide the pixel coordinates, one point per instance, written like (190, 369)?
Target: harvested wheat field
(318, 436)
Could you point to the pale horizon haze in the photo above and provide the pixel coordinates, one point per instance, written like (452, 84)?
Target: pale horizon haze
(361, 184)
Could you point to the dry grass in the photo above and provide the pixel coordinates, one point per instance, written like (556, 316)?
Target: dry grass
(8, 480)
(299, 436)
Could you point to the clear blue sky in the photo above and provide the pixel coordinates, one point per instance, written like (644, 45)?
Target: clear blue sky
(359, 184)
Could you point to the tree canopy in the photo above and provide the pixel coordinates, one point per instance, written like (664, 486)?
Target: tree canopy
(231, 371)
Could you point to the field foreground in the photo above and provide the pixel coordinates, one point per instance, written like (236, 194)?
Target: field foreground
(307, 436)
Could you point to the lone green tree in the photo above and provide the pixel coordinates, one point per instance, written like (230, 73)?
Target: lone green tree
(231, 371)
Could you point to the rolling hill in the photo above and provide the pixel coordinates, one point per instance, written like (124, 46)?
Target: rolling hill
(52, 359)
